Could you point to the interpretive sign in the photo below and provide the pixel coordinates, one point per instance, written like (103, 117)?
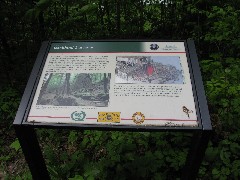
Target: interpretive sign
(114, 85)
(117, 83)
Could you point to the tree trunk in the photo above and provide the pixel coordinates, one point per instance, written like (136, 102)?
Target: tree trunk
(109, 26)
(41, 27)
(118, 17)
(141, 25)
(105, 82)
(44, 88)
(66, 11)
(66, 85)
(7, 64)
(101, 14)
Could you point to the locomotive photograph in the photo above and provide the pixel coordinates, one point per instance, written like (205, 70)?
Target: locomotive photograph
(149, 70)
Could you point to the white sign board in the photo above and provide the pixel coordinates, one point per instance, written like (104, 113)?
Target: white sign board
(117, 83)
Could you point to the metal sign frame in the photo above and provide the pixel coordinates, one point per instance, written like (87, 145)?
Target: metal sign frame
(26, 131)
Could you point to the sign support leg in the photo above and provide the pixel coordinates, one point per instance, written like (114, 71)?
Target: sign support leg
(32, 152)
(195, 155)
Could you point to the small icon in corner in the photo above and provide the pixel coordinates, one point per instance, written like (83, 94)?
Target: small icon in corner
(187, 111)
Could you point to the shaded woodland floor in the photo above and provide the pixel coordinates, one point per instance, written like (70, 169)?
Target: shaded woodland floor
(100, 100)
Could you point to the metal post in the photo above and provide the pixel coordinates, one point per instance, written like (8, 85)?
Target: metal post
(195, 155)
(32, 152)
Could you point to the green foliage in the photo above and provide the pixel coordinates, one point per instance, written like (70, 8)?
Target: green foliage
(214, 25)
(88, 8)
(221, 74)
(224, 83)
(76, 177)
(224, 30)
(9, 101)
(33, 13)
(113, 155)
(223, 160)
(15, 145)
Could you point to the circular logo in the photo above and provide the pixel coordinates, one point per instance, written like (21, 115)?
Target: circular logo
(138, 117)
(78, 116)
(154, 46)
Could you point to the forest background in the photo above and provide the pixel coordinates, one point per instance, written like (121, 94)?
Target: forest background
(215, 27)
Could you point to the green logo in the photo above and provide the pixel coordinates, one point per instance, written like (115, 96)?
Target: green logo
(78, 116)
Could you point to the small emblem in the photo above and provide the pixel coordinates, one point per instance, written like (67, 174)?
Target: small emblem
(187, 111)
(138, 117)
(78, 116)
(109, 117)
(154, 46)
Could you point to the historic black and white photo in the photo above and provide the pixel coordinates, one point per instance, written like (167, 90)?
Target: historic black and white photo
(148, 70)
(83, 89)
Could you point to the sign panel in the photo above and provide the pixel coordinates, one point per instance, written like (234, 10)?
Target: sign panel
(117, 83)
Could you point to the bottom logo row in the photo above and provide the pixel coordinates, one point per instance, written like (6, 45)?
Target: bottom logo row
(114, 117)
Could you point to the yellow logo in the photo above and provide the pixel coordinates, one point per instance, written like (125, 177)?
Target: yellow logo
(109, 117)
(138, 117)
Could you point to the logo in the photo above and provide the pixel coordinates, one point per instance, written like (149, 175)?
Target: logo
(78, 116)
(170, 47)
(109, 117)
(138, 117)
(154, 46)
(187, 111)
